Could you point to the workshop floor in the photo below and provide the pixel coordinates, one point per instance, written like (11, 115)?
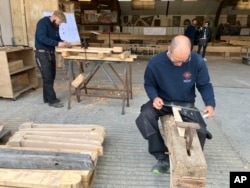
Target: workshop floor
(126, 162)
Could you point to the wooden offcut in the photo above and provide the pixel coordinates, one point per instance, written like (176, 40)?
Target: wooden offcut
(78, 81)
(188, 170)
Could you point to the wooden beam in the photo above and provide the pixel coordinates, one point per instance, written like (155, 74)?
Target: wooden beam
(82, 127)
(177, 117)
(187, 170)
(27, 159)
(239, 42)
(90, 49)
(239, 38)
(79, 134)
(53, 144)
(40, 179)
(93, 154)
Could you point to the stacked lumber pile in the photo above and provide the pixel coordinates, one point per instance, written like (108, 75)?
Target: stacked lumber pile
(96, 53)
(51, 155)
(237, 40)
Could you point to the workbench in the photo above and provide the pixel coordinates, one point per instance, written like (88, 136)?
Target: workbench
(108, 60)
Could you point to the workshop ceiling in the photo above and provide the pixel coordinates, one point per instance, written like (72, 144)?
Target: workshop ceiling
(177, 7)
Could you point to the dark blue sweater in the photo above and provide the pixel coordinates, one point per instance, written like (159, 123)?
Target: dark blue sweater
(172, 83)
(190, 32)
(46, 36)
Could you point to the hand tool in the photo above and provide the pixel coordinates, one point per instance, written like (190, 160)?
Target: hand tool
(190, 127)
(187, 108)
(85, 46)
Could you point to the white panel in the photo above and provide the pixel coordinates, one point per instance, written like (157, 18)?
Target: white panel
(245, 31)
(136, 30)
(175, 30)
(154, 31)
(5, 21)
(125, 30)
(140, 31)
(130, 30)
(181, 30)
(169, 31)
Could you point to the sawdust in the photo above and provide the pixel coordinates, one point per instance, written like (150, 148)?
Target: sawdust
(97, 101)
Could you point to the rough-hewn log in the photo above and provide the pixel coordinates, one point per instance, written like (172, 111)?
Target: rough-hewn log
(26, 159)
(187, 169)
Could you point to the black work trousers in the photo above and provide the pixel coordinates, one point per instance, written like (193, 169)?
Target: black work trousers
(202, 44)
(147, 123)
(46, 63)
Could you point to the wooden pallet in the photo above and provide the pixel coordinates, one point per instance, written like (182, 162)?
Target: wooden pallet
(187, 169)
(62, 138)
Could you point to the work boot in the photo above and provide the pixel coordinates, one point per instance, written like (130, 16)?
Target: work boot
(161, 167)
(56, 105)
(209, 135)
(54, 101)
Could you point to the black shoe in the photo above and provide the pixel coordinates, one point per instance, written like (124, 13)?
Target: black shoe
(56, 105)
(54, 101)
(209, 135)
(161, 167)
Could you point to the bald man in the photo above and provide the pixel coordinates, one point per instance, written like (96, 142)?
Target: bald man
(170, 79)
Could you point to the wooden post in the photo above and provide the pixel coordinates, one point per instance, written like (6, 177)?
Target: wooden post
(188, 170)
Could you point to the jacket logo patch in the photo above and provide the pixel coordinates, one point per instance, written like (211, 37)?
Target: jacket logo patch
(187, 77)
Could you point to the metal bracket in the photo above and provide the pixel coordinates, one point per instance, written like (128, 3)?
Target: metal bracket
(189, 132)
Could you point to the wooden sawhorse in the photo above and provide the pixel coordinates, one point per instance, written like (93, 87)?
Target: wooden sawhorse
(99, 58)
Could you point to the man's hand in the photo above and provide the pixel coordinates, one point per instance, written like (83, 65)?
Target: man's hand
(64, 44)
(209, 111)
(158, 103)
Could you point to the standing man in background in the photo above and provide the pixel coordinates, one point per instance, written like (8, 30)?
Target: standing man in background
(191, 31)
(204, 38)
(46, 39)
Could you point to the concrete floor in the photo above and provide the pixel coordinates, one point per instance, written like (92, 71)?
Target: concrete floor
(126, 162)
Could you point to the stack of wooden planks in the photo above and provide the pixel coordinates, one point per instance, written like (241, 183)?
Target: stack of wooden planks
(237, 40)
(95, 53)
(51, 155)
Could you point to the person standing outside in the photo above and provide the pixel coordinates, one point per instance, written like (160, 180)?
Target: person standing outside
(204, 38)
(191, 32)
(46, 39)
(171, 79)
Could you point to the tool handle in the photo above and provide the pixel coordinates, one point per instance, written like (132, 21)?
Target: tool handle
(205, 116)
